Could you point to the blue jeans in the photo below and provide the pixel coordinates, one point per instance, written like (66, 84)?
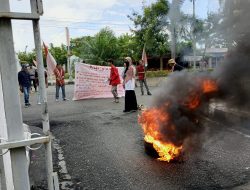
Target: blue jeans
(26, 92)
(63, 91)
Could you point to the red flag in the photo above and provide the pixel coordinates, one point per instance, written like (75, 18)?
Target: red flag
(144, 57)
(50, 60)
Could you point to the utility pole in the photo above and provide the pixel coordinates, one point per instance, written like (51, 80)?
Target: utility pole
(173, 40)
(44, 102)
(68, 54)
(194, 41)
(11, 116)
(11, 102)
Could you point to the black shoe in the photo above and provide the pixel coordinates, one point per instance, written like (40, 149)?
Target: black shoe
(149, 94)
(142, 94)
(27, 105)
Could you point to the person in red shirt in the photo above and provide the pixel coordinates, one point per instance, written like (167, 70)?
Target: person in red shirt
(114, 80)
(141, 77)
(59, 73)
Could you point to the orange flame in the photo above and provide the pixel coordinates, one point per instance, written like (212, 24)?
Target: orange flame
(151, 120)
(209, 86)
(193, 101)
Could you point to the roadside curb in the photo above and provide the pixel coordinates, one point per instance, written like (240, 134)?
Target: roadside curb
(229, 116)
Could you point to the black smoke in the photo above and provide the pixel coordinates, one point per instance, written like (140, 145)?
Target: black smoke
(232, 78)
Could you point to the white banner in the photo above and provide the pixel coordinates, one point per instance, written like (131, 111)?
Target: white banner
(91, 81)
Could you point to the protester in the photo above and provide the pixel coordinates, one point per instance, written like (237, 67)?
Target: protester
(142, 78)
(46, 84)
(114, 80)
(33, 79)
(59, 73)
(25, 83)
(172, 63)
(129, 85)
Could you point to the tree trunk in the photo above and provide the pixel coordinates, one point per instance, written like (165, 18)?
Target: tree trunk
(161, 63)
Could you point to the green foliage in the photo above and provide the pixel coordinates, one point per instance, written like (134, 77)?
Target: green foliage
(162, 73)
(66, 76)
(184, 48)
(96, 50)
(150, 28)
(59, 53)
(26, 58)
(127, 47)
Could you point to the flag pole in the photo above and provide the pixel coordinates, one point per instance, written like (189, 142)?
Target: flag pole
(144, 56)
(68, 54)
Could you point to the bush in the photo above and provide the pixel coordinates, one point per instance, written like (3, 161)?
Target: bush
(66, 76)
(151, 74)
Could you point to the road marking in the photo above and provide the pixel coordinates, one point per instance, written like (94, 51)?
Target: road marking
(228, 128)
(238, 132)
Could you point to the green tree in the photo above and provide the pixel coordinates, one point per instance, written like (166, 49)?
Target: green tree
(59, 53)
(128, 47)
(150, 29)
(26, 57)
(77, 45)
(211, 37)
(96, 50)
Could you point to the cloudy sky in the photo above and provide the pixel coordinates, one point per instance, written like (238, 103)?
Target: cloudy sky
(85, 17)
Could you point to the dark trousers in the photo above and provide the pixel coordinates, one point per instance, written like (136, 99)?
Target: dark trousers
(143, 81)
(130, 100)
(63, 91)
(114, 91)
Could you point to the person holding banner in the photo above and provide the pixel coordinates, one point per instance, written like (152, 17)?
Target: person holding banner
(114, 80)
(129, 85)
(59, 74)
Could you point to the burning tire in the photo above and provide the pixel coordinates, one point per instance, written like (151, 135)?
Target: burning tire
(150, 151)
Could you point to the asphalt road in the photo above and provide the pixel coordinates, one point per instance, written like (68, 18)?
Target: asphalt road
(97, 146)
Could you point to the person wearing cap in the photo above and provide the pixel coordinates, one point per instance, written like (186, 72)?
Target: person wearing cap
(142, 78)
(171, 63)
(24, 83)
(129, 85)
(114, 80)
